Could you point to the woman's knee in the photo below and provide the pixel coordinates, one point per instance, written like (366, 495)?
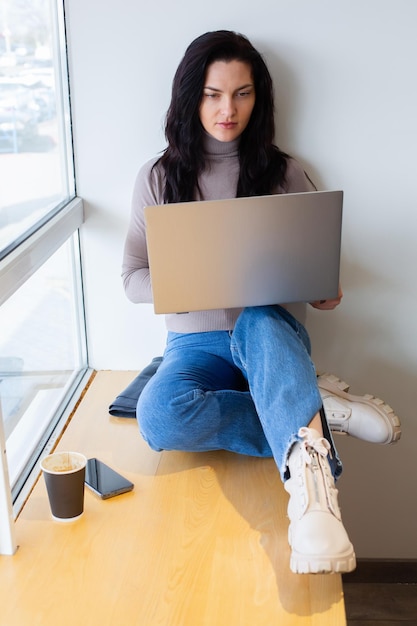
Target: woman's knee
(154, 421)
(160, 418)
(277, 320)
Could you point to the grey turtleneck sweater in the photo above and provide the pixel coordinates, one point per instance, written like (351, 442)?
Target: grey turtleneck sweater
(218, 181)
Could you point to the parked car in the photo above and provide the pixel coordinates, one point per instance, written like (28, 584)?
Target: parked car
(41, 83)
(19, 115)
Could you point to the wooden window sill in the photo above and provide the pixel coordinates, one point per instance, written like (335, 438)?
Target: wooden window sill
(202, 540)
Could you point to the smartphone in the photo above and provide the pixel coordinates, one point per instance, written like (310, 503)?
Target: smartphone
(104, 481)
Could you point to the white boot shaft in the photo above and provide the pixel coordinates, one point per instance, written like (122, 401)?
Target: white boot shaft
(315, 488)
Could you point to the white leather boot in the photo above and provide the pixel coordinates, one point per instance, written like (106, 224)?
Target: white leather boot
(364, 417)
(316, 534)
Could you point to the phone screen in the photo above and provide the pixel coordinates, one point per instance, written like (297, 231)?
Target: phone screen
(104, 481)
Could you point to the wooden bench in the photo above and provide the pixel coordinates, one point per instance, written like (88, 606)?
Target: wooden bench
(201, 541)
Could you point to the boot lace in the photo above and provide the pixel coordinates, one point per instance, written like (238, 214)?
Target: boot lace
(310, 442)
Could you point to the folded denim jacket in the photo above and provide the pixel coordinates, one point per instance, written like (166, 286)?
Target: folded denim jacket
(125, 403)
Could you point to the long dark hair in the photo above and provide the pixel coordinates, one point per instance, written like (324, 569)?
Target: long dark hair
(262, 164)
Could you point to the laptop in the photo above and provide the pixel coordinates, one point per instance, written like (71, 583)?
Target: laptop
(244, 251)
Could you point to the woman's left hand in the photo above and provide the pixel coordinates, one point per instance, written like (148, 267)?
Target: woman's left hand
(328, 305)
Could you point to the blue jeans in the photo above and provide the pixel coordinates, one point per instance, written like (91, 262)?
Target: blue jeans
(249, 390)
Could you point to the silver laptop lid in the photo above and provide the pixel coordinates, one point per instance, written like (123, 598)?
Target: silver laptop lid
(244, 251)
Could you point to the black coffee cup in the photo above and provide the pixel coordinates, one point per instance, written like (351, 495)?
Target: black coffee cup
(64, 474)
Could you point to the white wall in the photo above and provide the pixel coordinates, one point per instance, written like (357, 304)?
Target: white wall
(347, 97)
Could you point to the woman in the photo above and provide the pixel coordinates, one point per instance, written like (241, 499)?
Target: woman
(240, 380)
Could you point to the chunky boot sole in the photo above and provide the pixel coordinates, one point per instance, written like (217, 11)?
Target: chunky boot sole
(332, 380)
(391, 420)
(338, 564)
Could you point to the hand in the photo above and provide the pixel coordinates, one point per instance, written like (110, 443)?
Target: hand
(328, 305)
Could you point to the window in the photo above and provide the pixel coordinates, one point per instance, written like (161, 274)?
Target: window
(43, 355)
(36, 164)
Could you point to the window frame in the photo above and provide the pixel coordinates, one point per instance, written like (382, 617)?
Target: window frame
(20, 264)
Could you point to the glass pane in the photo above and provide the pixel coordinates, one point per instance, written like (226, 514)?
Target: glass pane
(41, 354)
(36, 170)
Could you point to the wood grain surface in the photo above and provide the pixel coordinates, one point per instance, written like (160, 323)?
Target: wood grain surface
(201, 541)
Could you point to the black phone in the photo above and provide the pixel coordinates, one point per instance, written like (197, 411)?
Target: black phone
(104, 480)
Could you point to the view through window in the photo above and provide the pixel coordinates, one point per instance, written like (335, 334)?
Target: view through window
(35, 142)
(42, 339)
(41, 356)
